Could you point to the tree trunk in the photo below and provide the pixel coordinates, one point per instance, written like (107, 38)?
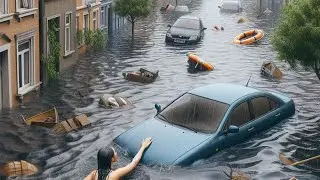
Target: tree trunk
(317, 68)
(132, 30)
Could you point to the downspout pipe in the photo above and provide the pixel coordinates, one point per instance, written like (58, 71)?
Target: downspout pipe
(43, 65)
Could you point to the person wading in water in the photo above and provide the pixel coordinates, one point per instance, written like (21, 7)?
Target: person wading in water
(107, 156)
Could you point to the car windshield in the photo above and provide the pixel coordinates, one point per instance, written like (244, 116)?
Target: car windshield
(196, 113)
(187, 23)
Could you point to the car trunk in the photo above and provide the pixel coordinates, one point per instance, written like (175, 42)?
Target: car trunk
(169, 141)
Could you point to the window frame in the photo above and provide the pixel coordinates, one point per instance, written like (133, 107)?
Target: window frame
(6, 8)
(94, 20)
(270, 111)
(30, 40)
(102, 16)
(18, 5)
(86, 23)
(232, 110)
(67, 27)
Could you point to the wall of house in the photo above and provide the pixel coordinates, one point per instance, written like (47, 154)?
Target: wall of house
(82, 10)
(13, 28)
(59, 8)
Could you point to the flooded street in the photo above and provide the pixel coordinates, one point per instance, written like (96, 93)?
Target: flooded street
(73, 156)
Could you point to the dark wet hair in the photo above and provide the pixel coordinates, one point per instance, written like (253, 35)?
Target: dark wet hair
(104, 162)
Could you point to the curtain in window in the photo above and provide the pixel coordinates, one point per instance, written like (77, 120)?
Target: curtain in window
(24, 4)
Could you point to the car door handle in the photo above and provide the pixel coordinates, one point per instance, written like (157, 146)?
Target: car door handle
(278, 114)
(250, 129)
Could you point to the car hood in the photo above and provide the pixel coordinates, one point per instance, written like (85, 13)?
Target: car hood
(183, 31)
(169, 141)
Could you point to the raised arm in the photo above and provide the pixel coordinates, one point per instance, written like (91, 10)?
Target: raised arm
(117, 174)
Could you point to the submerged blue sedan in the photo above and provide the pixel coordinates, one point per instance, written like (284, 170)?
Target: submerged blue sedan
(204, 121)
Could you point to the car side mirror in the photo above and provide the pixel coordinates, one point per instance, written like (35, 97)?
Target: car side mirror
(233, 129)
(158, 108)
(169, 25)
(204, 29)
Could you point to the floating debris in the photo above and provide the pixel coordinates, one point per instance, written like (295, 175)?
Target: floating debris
(198, 64)
(110, 101)
(143, 76)
(19, 168)
(74, 124)
(242, 20)
(269, 69)
(46, 119)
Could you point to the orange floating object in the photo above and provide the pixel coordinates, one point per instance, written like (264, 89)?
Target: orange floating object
(197, 60)
(249, 37)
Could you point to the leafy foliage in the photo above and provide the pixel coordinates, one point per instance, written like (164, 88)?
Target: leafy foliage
(297, 34)
(95, 40)
(80, 37)
(133, 10)
(54, 52)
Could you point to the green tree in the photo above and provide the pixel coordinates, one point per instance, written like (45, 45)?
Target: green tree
(297, 34)
(133, 10)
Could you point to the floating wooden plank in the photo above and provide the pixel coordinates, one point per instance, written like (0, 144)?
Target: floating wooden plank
(72, 124)
(82, 119)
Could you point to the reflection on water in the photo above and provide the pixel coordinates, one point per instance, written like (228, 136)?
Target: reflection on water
(72, 156)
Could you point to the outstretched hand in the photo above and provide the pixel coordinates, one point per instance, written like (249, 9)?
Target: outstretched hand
(146, 142)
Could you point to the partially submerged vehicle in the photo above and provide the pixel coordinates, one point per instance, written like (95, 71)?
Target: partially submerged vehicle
(143, 76)
(110, 101)
(230, 6)
(46, 119)
(73, 124)
(205, 120)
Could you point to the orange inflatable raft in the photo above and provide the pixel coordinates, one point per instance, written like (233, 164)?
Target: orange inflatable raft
(249, 37)
(197, 60)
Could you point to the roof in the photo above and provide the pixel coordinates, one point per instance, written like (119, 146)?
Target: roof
(189, 17)
(223, 92)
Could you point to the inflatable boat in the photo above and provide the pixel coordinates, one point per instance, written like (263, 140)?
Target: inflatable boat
(249, 37)
(197, 63)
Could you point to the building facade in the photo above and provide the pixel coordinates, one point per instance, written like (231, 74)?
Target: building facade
(62, 15)
(19, 50)
(87, 18)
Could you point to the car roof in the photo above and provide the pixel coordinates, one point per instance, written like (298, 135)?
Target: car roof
(189, 17)
(223, 92)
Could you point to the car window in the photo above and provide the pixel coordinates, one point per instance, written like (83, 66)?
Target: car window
(239, 116)
(187, 23)
(273, 104)
(262, 105)
(195, 113)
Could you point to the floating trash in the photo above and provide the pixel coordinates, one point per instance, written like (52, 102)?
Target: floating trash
(143, 76)
(46, 119)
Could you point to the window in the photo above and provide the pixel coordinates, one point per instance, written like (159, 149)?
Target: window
(195, 113)
(102, 19)
(86, 22)
(3, 7)
(24, 4)
(261, 106)
(77, 23)
(68, 33)
(273, 104)
(94, 20)
(24, 64)
(239, 116)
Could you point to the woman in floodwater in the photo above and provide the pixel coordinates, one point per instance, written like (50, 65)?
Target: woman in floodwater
(107, 156)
